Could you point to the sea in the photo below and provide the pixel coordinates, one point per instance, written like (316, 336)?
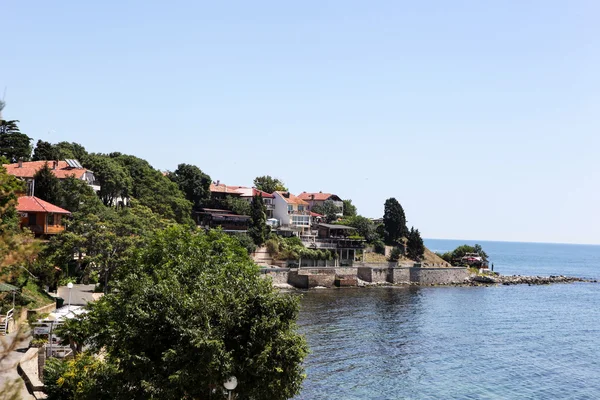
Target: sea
(497, 342)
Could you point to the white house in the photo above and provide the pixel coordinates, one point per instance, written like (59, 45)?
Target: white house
(291, 212)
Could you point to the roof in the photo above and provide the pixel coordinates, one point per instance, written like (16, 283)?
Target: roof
(33, 204)
(335, 226)
(319, 196)
(251, 192)
(29, 169)
(216, 187)
(6, 287)
(314, 214)
(291, 199)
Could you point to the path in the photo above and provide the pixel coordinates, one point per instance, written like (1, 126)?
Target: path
(8, 368)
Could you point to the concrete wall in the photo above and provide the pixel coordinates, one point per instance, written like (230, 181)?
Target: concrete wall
(437, 276)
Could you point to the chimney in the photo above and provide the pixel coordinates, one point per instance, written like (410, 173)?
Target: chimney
(20, 162)
(312, 196)
(218, 183)
(54, 164)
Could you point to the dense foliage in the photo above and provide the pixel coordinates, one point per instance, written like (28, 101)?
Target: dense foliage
(269, 184)
(329, 211)
(258, 229)
(47, 186)
(191, 311)
(455, 255)
(414, 245)
(193, 182)
(14, 145)
(394, 222)
(349, 209)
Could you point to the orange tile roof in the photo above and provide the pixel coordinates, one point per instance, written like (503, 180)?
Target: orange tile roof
(33, 204)
(292, 199)
(29, 169)
(222, 188)
(317, 196)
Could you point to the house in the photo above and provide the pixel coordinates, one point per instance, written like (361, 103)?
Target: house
(339, 239)
(248, 194)
(61, 169)
(291, 212)
(318, 199)
(41, 217)
(210, 218)
(219, 190)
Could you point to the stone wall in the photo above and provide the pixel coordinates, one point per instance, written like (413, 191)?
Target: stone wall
(277, 275)
(42, 310)
(438, 276)
(374, 275)
(399, 275)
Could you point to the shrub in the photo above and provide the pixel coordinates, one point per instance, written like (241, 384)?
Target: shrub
(395, 254)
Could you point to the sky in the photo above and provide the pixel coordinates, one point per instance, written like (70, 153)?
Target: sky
(480, 117)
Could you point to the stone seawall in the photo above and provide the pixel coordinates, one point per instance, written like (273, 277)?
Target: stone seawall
(306, 278)
(438, 276)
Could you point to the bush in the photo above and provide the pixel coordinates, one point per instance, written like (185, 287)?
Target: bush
(379, 246)
(395, 254)
(246, 241)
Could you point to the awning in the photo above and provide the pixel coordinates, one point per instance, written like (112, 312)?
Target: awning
(5, 287)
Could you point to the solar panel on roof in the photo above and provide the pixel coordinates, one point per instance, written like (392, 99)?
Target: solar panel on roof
(73, 163)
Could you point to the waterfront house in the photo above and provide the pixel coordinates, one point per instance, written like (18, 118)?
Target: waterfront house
(291, 212)
(41, 217)
(337, 238)
(318, 199)
(61, 169)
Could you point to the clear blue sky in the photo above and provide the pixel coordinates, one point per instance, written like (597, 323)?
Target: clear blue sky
(480, 117)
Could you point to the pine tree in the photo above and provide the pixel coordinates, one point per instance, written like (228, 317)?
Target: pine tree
(394, 222)
(415, 247)
(47, 185)
(258, 229)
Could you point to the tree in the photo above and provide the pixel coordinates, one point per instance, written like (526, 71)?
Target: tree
(329, 210)
(114, 179)
(414, 246)
(258, 229)
(394, 222)
(193, 182)
(364, 227)
(269, 184)
(72, 150)
(47, 185)
(349, 209)
(192, 311)
(44, 151)
(14, 145)
(77, 195)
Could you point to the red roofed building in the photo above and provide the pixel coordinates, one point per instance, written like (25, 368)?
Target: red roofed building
(292, 212)
(60, 169)
(39, 216)
(317, 199)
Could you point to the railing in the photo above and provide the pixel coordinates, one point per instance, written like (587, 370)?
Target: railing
(340, 243)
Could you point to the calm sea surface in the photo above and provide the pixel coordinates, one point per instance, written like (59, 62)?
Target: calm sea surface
(506, 342)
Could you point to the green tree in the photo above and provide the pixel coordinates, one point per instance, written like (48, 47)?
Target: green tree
(364, 227)
(14, 145)
(193, 182)
(192, 311)
(329, 210)
(47, 185)
(269, 184)
(394, 222)
(77, 195)
(72, 150)
(44, 151)
(114, 179)
(237, 205)
(258, 229)
(155, 190)
(349, 209)
(414, 246)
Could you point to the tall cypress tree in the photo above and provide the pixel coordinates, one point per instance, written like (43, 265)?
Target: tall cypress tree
(414, 246)
(258, 229)
(47, 185)
(394, 222)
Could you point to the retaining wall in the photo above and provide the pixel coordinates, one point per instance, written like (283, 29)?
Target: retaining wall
(437, 276)
(374, 275)
(277, 275)
(399, 275)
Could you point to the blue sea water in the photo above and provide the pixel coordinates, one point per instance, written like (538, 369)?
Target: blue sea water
(498, 342)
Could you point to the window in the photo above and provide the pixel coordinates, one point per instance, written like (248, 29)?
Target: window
(50, 219)
(290, 208)
(300, 208)
(32, 219)
(301, 220)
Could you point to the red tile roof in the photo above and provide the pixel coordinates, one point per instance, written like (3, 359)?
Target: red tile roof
(265, 195)
(33, 204)
(29, 169)
(291, 199)
(317, 196)
(314, 214)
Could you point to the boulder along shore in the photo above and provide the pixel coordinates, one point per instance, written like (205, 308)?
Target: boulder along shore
(480, 280)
